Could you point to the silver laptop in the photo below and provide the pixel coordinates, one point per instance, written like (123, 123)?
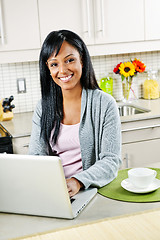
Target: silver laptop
(36, 185)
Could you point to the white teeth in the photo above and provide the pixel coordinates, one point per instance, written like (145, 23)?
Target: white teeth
(66, 78)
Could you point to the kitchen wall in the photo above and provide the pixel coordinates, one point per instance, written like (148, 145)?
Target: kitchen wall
(25, 102)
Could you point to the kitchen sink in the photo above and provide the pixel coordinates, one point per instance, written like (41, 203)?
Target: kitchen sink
(129, 109)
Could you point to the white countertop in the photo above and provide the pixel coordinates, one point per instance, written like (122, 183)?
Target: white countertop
(100, 207)
(16, 225)
(20, 125)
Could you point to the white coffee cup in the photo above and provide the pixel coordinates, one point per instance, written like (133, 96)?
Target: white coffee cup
(141, 177)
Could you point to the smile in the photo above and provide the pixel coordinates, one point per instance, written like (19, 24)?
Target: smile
(65, 79)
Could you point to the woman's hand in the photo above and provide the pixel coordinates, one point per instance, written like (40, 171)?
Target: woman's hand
(73, 186)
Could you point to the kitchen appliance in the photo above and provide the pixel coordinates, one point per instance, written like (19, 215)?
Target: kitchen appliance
(6, 109)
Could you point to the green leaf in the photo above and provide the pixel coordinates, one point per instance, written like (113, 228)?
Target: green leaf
(122, 77)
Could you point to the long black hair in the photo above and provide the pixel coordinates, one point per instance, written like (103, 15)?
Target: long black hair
(52, 99)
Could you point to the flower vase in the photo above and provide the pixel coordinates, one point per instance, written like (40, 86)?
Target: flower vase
(126, 86)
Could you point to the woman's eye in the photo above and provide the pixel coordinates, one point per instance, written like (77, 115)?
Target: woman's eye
(70, 60)
(53, 65)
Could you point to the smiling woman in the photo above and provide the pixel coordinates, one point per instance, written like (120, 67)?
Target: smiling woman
(75, 119)
(66, 68)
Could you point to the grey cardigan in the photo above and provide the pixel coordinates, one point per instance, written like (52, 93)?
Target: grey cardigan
(99, 134)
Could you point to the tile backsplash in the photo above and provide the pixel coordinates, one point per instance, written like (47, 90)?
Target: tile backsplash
(25, 102)
(9, 73)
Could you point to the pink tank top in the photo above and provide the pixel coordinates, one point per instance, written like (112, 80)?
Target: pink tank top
(68, 149)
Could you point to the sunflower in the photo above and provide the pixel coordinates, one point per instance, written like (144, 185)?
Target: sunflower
(139, 66)
(127, 69)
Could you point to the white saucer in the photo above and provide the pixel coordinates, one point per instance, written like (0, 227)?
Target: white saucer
(126, 184)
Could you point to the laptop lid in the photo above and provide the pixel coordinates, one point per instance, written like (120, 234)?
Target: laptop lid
(36, 185)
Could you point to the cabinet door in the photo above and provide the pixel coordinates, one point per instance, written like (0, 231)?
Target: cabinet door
(141, 154)
(152, 19)
(119, 21)
(20, 25)
(21, 145)
(71, 15)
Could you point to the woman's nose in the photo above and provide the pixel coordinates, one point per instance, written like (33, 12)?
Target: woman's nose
(62, 68)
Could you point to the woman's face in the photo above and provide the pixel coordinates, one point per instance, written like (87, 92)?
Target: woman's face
(66, 67)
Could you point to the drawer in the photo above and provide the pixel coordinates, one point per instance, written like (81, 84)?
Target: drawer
(141, 134)
(141, 130)
(21, 144)
(141, 154)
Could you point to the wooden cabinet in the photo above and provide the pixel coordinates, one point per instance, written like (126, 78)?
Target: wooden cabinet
(141, 143)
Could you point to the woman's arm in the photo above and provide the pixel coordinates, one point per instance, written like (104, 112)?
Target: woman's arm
(37, 145)
(104, 167)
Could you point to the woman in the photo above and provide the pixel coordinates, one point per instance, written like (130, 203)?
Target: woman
(75, 119)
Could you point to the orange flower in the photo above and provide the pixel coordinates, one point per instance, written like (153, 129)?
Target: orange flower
(139, 66)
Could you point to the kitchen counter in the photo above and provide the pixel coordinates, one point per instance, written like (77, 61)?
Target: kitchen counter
(152, 105)
(21, 124)
(16, 225)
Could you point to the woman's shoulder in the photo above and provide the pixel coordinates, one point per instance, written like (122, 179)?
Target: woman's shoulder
(38, 109)
(100, 95)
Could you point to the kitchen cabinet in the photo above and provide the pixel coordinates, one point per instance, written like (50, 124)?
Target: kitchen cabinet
(19, 29)
(152, 19)
(141, 154)
(96, 21)
(20, 129)
(106, 26)
(20, 25)
(115, 21)
(126, 26)
(70, 14)
(141, 143)
(21, 145)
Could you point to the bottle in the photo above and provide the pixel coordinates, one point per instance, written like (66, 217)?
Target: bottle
(151, 86)
(106, 84)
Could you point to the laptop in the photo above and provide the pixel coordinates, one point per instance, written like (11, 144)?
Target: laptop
(36, 185)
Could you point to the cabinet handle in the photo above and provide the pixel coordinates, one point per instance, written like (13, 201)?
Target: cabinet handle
(26, 145)
(140, 128)
(100, 16)
(126, 159)
(1, 25)
(86, 17)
